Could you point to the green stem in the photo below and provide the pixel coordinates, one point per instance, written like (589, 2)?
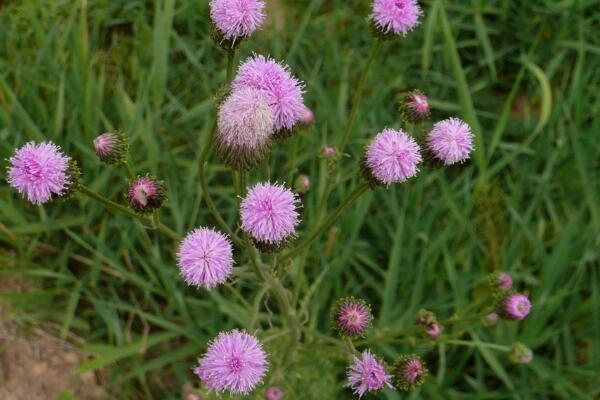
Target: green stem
(358, 94)
(360, 189)
(129, 170)
(230, 60)
(124, 210)
(478, 344)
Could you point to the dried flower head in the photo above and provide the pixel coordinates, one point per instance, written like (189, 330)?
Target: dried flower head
(283, 92)
(112, 148)
(236, 19)
(391, 157)
(409, 372)
(367, 374)
(414, 107)
(395, 17)
(40, 172)
(269, 215)
(352, 317)
(450, 141)
(205, 258)
(244, 129)
(235, 361)
(146, 193)
(514, 307)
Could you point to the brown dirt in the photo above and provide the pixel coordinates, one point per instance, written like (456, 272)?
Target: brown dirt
(37, 365)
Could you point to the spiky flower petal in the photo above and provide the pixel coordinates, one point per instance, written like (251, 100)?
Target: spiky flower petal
(395, 17)
(367, 374)
(450, 141)
(514, 307)
(236, 19)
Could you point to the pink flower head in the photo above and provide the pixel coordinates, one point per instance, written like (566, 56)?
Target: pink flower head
(433, 331)
(146, 194)
(451, 141)
(367, 374)
(235, 361)
(205, 258)
(504, 281)
(414, 107)
(237, 18)
(391, 157)
(396, 17)
(273, 393)
(112, 148)
(244, 129)
(409, 372)
(307, 116)
(352, 317)
(284, 93)
(39, 171)
(514, 307)
(269, 215)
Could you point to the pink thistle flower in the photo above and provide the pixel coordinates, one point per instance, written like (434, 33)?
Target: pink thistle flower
(235, 361)
(112, 148)
(146, 194)
(504, 281)
(273, 393)
(367, 374)
(414, 107)
(391, 157)
(244, 129)
(284, 93)
(409, 372)
(307, 116)
(514, 307)
(352, 317)
(433, 331)
(237, 19)
(451, 141)
(205, 258)
(395, 17)
(269, 215)
(39, 172)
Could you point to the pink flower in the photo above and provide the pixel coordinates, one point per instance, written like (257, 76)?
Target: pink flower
(39, 171)
(205, 258)
(237, 18)
(235, 361)
(273, 393)
(409, 372)
(433, 331)
(352, 317)
(112, 148)
(307, 117)
(284, 93)
(244, 129)
(396, 17)
(268, 213)
(451, 141)
(504, 281)
(367, 375)
(391, 157)
(514, 307)
(414, 107)
(146, 194)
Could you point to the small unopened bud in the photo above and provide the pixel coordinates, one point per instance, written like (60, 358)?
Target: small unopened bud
(112, 148)
(146, 194)
(490, 319)
(329, 154)
(307, 117)
(433, 331)
(302, 184)
(520, 354)
(192, 396)
(409, 371)
(414, 107)
(500, 282)
(273, 393)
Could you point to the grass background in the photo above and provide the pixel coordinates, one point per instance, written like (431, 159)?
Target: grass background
(523, 74)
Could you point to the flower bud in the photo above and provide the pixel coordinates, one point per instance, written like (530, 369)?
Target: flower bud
(273, 393)
(500, 282)
(112, 148)
(520, 354)
(146, 194)
(414, 107)
(302, 184)
(409, 371)
(352, 317)
(490, 319)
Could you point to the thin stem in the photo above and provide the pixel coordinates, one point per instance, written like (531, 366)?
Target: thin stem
(129, 170)
(358, 94)
(230, 60)
(124, 210)
(478, 344)
(360, 189)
